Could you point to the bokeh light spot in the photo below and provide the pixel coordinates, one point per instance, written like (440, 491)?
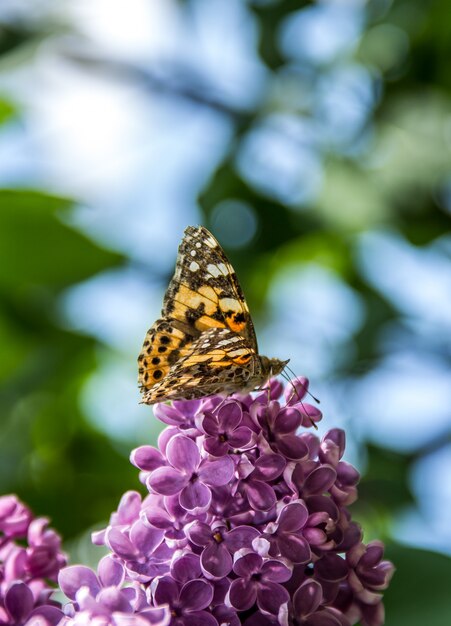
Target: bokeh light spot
(234, 223)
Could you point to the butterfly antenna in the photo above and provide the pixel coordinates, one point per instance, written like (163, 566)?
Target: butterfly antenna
(287, 378)
(305, 387)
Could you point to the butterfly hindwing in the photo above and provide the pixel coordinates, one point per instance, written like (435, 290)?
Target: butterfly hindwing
(218, 361)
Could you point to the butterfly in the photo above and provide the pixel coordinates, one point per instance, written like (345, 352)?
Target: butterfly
(204, 343)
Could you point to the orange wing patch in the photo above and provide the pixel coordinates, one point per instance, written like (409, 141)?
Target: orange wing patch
(163, 346)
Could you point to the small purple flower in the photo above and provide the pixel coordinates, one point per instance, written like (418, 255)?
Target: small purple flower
(259, 581)
(224, 431)
(15, 517)
(286, 535)
(257, 478)
(20, 608)
(183, 413)
(369, 574)
(219, 544)
(103, 597)
(187, 603)
(170, 517)
(306, 607)
(331, 451)
(141, 548)
(279, 426)
(30, 557)
(44, 556)
(189, 475)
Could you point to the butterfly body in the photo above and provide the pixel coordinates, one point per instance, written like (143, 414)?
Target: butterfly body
(205, 342)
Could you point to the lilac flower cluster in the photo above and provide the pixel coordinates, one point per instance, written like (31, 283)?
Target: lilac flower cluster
(245, 524)
(30, 558)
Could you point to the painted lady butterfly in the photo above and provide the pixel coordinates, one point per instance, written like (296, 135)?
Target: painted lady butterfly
(204, 343)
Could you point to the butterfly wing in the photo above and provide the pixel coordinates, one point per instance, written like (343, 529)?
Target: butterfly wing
(219, 361)
(203, 294)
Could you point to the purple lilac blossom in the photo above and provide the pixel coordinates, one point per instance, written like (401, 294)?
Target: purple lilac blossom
(30, 559)
(245, 523)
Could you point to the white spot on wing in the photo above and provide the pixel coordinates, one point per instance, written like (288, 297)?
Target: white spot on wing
(210, 242)
(217, 270)
(198, 244)
(194, 266)
(230, 304)
(193, 253)
(227, 342)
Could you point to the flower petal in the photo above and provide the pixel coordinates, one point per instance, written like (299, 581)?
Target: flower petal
(292, 517)
(246, 563)
(240, 437)
(71, 578)
(242, 594)
(215, 447)
(216, 560)
(294, 547)
(307, 598)
(186, 567)
(19, 601)
(160, 616)
(195, 496)
(271, 596)
(196, 595)
(128, 509)
(183, 454)
(209, 424)
(241, 537)
(167, 481)
(216, 472)
(287, 421)
(292, 447)
(269, 466)
(332, 568)
(199, 533)
(119, 543)
(50, 616)
(110, 572)
(199, 618)
(319, 480)
(260, 495)
(296, 390)
(145, 538)
(230, 416)
(146, 458)
(275, 571)
(165, 591)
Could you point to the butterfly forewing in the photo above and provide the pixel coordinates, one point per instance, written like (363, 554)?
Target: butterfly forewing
(205, 292)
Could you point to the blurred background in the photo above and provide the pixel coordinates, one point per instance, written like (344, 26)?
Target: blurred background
(314, 140)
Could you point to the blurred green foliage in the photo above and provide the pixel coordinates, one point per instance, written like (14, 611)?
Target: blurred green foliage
(50, 454)
(47, 448)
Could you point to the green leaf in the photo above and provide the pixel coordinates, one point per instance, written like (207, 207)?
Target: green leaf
(37, 248)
